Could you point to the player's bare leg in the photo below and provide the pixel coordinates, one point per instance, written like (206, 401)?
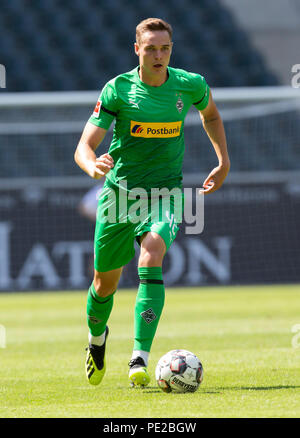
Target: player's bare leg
(153, 249)
(99, 306)
(149, 305)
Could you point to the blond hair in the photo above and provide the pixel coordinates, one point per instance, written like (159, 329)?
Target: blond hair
(154, 24)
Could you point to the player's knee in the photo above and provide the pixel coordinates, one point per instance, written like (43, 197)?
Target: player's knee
(151, 257)
(104, 289)
(104, 292)
(153, 249)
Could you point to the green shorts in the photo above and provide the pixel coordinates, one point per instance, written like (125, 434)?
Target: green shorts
(122, 218)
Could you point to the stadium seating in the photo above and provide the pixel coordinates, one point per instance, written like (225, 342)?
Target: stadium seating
(56, 45)
(52, 40)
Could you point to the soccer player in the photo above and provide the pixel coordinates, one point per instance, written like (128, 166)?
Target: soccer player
(149, 105)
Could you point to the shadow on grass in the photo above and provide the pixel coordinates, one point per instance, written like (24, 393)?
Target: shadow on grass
(219, 389)
(153, 390)
(147, 389)
(250, 388)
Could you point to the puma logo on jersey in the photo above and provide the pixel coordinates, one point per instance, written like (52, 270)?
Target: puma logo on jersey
(135, 104)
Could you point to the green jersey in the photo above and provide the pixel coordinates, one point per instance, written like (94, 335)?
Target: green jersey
(148, 137)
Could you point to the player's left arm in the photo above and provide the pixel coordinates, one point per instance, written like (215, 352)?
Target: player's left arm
(214, 128)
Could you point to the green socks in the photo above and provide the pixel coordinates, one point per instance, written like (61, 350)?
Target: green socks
(98, 311)
(148, 307)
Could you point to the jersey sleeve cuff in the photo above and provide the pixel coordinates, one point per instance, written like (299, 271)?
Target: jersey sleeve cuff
(202, 103)
(101, 123)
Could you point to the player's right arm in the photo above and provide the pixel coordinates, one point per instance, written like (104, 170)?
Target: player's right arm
(85, 155)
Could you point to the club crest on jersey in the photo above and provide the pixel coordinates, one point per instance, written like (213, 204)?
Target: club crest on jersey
(96, 112)
(179, 104)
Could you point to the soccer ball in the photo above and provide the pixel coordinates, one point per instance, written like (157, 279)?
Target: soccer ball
(179, 371)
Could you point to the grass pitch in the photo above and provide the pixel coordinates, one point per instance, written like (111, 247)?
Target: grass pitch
(242, 335)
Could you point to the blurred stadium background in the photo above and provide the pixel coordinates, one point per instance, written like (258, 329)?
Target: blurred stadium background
(59, 54)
